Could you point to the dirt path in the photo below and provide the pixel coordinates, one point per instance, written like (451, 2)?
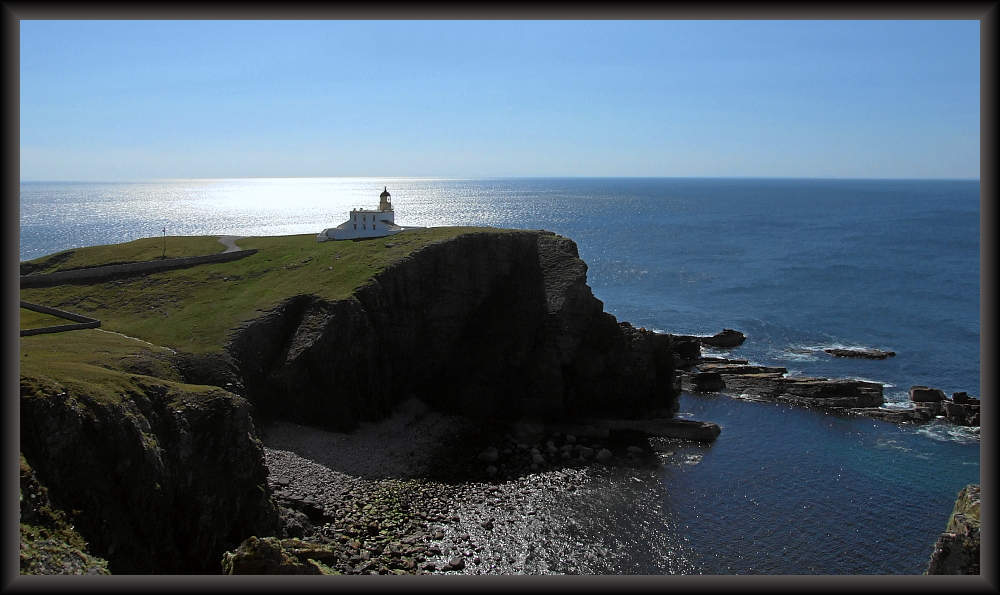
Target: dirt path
(229, 243)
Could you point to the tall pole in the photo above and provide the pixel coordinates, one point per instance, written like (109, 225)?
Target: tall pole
(164, 243)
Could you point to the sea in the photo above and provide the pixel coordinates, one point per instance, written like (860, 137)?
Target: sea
(797, 265)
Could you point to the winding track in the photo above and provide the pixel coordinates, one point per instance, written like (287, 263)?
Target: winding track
(229, 243)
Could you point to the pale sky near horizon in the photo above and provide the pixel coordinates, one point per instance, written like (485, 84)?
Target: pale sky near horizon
(134, 100)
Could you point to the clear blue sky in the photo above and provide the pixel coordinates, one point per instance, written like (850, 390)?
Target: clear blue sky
(132, 100)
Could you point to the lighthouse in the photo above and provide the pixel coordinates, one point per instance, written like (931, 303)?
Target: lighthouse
(383, 200)
(366, 223)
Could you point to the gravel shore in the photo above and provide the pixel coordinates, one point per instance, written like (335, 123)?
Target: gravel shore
(379, 501)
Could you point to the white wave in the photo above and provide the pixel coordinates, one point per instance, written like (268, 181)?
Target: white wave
(946, 432)
(797, 355)
(897, 405)
(891, 443)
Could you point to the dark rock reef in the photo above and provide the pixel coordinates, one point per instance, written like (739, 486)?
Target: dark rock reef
(770, 382)
(860, 353)
(737, 376)
(489, 325)
(725, 339)
(957, 549)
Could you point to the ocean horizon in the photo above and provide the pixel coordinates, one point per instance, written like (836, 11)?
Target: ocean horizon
(798, 265)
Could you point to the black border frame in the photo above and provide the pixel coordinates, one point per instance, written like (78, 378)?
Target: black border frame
(14, 12)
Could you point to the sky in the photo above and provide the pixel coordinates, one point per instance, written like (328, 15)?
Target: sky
(137, 100)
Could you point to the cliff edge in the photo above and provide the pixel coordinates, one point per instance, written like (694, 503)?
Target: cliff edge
(488, 325)
(957, 549)
(147, 443)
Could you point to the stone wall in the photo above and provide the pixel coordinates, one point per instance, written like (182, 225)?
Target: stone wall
(82, 322)
(117, 271)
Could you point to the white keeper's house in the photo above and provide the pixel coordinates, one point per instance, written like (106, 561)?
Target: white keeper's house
(367, 223)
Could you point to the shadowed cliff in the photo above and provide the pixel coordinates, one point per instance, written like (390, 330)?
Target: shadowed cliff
(490, 325)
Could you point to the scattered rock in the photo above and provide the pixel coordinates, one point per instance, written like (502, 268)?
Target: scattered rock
(861, 353)
(923, 394)
(725, 339)
(490, 455)
(265, 556)
(708, 382)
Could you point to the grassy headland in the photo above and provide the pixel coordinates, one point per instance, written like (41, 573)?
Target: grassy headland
(140, 250)
(100, 364)
(194, 309)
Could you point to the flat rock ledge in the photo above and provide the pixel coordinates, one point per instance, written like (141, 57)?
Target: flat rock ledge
(725, 339)
(861, 353)
(770, 383)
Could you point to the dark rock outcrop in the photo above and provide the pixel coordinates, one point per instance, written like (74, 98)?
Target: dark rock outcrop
(160, 479)
(271, 556)
(824, 392)
(489, 325)
(929, 403)
(861, 353)
(957, 549)
(724, 339)
(708, 382)
(922, 394)
(770, 382)
(49, 544)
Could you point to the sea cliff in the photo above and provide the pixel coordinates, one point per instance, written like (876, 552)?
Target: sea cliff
(487, 325)
(152, 453)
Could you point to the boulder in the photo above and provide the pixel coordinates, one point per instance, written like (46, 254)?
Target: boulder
(688, 346)
(961, 413)
(725, 339)
(490, 455)
(708, 382)
(843, 393)
(963, 398)
(270, 556)
(923, 394)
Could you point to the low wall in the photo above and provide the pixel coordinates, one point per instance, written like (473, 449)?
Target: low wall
(82, 321)
(115, 271)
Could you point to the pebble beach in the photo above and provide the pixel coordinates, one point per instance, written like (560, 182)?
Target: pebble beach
(367, 497)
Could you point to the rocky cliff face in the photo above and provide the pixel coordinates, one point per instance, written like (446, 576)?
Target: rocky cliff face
(162, 481)
(957, 549)
(164, 477)
(490, 325)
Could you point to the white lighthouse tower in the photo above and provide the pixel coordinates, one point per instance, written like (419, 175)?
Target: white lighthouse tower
(364, 223)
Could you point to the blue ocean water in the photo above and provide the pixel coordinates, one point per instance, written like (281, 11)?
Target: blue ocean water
(796, 265)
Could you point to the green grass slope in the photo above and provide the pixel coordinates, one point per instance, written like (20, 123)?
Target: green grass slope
(140, 250)
(194, 309)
